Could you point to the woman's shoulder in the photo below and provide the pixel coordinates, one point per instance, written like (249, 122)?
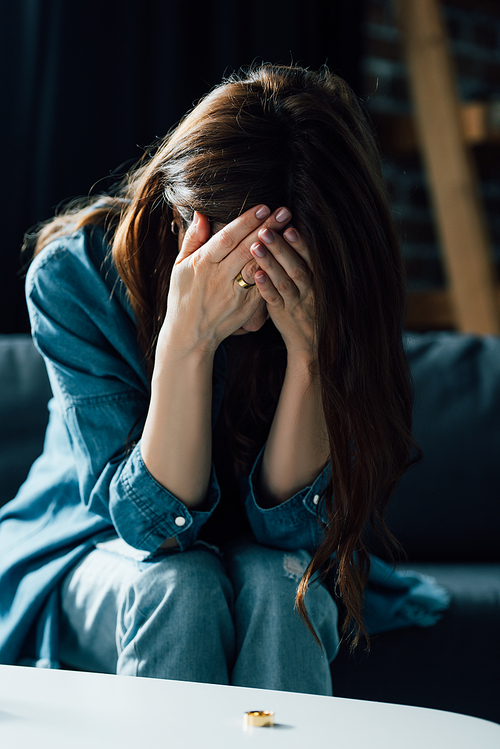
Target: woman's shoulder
(78, 266)
(74, 282)
(84, 248)
(81, 319)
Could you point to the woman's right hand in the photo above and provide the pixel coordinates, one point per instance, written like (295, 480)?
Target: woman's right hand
(205, 303)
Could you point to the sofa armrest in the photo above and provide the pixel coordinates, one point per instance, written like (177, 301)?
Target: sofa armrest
(24, 393)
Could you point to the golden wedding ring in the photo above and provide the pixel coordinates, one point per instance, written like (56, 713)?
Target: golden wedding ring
(259, 718)
(244, 285)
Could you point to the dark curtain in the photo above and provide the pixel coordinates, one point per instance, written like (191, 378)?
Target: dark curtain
(87, 84)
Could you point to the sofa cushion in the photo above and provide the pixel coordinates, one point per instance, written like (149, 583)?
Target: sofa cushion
(24, 393)
(447, 507)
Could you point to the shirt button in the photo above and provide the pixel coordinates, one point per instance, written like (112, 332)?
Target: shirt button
(180, 521)
(316, 499)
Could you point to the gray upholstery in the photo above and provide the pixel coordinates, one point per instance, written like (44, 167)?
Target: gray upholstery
(447, 507)
(446, 513)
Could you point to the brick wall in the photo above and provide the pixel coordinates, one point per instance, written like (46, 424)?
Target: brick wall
(474, 32)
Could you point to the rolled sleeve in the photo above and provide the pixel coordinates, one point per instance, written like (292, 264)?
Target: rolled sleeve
(293, 524)
(146, 513)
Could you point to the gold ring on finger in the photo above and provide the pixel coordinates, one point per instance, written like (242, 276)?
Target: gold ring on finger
(244, 285)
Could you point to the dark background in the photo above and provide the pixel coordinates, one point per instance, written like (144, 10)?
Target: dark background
(85, 86)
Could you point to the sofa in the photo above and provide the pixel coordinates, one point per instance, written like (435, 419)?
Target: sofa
(445, 513)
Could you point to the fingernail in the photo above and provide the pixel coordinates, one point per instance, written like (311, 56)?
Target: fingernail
(260, 277)
(291, 235)
(262, 212)
(258, 250)
(266, 236)
(283, 215)
(195, 220)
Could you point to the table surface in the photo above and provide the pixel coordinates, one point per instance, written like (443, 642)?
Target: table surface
(73, 710)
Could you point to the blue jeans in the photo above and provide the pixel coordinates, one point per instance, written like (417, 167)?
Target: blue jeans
(201, 615)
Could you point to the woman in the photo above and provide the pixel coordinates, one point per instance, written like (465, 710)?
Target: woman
(232, 403)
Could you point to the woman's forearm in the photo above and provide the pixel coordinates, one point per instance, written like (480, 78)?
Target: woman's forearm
(204, 306)
(176, 444)
(297, 448)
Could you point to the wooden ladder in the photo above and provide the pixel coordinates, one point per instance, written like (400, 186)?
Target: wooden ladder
(461, 224)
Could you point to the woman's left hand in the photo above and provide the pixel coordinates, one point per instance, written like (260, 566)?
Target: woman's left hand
(285, 283)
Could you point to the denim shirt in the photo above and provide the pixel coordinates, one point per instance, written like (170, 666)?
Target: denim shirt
(91, 481)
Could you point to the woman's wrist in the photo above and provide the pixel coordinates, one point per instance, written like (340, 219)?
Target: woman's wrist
(302, 361)
(178, 345)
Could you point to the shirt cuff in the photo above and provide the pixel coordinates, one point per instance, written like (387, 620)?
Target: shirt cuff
(293, 524)
(145, 514)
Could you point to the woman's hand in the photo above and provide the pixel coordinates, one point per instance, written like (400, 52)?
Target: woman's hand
(285, 284)
(205, 302)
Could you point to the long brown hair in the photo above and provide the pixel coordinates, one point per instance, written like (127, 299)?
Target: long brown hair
(288, 136)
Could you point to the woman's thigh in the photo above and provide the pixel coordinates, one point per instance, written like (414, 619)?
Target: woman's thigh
(267, 579)
(107, 598)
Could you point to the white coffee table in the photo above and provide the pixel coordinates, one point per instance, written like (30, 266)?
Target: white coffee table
(42, 709)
